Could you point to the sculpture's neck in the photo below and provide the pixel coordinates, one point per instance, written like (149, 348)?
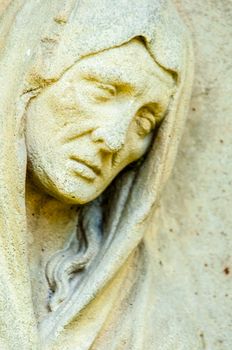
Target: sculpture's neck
(50, 223)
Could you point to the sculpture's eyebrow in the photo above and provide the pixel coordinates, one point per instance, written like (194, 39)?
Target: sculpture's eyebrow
(113, 77)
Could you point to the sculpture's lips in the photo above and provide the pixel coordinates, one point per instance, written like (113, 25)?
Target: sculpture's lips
(85, 169)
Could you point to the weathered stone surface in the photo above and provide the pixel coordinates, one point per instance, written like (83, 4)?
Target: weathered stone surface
(195, 234)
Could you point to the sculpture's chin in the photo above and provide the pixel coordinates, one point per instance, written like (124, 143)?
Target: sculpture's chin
(72, 197)
(68, 189)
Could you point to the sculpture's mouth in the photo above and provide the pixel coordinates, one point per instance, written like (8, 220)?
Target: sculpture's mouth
(85, 169)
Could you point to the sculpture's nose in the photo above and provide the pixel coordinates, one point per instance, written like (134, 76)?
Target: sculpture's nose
(112, 140)
(112, 136)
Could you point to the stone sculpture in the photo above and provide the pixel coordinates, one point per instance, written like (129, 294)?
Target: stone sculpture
(93, 103)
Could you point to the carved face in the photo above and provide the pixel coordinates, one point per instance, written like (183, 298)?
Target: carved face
(85, 128)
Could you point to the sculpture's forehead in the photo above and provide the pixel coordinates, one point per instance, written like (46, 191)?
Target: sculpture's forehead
(129, 64)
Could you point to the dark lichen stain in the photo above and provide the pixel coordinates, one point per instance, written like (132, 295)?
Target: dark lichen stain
(226, 271)
(221, 141)
(203, 340)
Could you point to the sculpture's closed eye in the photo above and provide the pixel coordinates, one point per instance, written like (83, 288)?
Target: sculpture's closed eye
(102, 92)
(145, 120)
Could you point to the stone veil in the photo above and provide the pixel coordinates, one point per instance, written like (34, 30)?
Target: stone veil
(115, 294)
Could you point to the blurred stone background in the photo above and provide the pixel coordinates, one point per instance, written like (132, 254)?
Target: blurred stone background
(195, 234)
